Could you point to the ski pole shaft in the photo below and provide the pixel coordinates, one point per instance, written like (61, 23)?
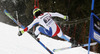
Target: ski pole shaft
(17, 20)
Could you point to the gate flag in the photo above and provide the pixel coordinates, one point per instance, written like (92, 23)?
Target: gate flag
(95, 28)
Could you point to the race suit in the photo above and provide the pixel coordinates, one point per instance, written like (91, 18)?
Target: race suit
(47, 25)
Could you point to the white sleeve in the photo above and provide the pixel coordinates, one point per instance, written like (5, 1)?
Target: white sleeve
(56, 15)
(32, 24)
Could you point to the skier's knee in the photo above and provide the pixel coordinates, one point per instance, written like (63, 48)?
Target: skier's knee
(37, 30)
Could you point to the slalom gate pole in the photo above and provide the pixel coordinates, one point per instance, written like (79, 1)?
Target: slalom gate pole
(89, 41)
(91, 19)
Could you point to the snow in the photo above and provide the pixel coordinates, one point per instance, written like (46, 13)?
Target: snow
(11, 43)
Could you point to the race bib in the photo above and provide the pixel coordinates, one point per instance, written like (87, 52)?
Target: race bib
(47, 20)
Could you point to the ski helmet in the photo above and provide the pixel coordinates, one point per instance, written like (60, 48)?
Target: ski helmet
(37, 12)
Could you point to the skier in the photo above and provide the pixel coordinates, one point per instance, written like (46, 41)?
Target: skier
(47, 25)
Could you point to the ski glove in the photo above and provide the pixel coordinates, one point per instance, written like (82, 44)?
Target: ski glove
(66, 18)
(20, 33)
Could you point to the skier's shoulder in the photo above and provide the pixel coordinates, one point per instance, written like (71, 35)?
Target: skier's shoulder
(51, 13)
(36, 20)
(47, 13)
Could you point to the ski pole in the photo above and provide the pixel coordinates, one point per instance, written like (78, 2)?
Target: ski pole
(17, 20)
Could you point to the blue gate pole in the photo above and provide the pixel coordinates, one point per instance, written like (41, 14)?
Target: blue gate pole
(92, 7)
(91, 26)
(89, 41)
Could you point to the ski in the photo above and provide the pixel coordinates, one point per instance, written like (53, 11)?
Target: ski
(82, 45)
(30, 32)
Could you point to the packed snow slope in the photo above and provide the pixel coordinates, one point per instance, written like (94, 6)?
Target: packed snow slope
(11, 43)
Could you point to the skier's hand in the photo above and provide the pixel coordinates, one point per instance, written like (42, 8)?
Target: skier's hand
(20, 33)
(66, 18)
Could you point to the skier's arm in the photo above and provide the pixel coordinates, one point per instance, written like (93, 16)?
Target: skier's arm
(28, 27)
(58, 15)
(31, 25)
